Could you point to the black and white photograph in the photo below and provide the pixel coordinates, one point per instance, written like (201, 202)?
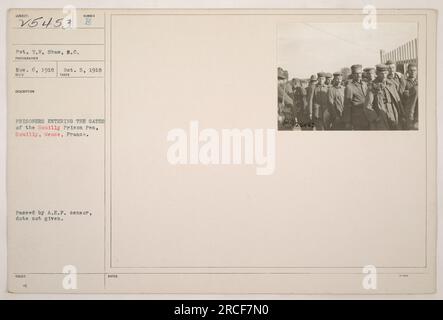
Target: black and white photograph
(144, 157)
(345, 76)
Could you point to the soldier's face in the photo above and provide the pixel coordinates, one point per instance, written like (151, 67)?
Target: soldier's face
(328, 80)
(372, 75)
(337, 80)
(382, 75)
(321, 80)
(392, 68)
(357, 75)
(412, 72)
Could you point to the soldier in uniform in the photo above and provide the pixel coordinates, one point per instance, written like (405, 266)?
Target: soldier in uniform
(318, 102)
(294, 83)
(355, 96)
(285, 102)
(383, 107)
(327, 115)
(307, 121)
(299, 103)
(336, 96)
(409, 96)
(393, 75)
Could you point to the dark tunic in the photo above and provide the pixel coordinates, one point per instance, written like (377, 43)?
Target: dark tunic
(336, 98)
(409, 96)
(383, 107)
(355, 97)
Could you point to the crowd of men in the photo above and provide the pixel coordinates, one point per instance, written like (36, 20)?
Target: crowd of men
(379, 98)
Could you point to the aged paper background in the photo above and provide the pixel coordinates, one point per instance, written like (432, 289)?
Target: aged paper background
(129, 244)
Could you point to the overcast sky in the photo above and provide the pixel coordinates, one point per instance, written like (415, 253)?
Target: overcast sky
(305, 49)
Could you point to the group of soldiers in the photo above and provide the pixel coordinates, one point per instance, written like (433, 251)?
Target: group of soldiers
(377, 98)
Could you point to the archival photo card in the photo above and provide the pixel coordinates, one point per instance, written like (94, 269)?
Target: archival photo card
(146, 153)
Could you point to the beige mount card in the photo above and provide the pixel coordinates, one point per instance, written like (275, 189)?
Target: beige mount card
(222, 151)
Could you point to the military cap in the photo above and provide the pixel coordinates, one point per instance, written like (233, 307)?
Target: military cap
(282, 74)
(313, 77)
(368, 69)
(337, 74)
(356, 67)
(321, 74)
(412, 64)
(328, 75)
(389, 62)
(382, 67)
(286, 74)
